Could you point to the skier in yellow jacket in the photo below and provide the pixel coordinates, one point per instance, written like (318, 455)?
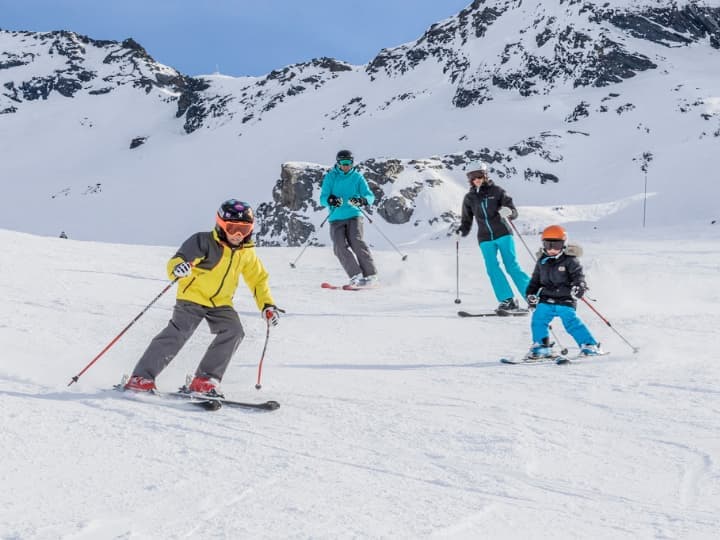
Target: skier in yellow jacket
(208, 267)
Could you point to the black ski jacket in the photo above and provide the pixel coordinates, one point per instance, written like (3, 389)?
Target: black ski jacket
(553, 279)
(483, 204)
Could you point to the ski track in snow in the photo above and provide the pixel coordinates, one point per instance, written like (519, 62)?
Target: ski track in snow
(396, 418)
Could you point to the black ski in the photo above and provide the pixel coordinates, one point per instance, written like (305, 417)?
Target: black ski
(557, 358)
(215, 402)
(209, 403)
(496, 313)
(581, 357)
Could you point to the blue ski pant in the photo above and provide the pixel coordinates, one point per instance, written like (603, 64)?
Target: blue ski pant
(505, 245)
(545, 313)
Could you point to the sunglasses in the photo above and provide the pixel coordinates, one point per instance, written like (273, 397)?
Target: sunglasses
(235, 228)
(474, 176)
(345, 162)
(556, 245)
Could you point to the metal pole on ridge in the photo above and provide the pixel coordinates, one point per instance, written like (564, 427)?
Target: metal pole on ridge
(116, 338)
(307, 242)
(404, 257)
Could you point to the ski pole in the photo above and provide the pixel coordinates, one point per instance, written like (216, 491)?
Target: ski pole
(404, 257)
(563, 350)
(258, 386)
(634, 349)
(457, 271)
(307, 242)
(114, 340)
(532, 256)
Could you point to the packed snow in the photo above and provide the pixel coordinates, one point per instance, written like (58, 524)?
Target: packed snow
(396, 420)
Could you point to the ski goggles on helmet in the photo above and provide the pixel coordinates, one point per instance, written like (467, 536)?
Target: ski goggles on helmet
(345, 162)
(476, 174)
(234, 228)
(556, 245)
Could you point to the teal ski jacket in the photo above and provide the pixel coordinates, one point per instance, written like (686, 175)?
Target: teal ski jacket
(344, 186)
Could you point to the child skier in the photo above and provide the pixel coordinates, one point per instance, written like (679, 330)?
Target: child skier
(208, 267)
(556, 282)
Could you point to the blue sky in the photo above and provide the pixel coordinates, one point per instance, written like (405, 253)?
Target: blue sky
(240, 37)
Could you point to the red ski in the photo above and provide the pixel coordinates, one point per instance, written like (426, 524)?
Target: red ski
(326, 285)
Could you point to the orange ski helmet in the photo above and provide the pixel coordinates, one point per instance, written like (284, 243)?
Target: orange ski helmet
(554, 232)
(554, 237)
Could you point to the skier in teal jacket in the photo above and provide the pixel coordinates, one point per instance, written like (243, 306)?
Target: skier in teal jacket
(345, 191)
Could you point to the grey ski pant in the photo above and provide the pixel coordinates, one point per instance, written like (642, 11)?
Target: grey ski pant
(223, 322)
(350, 248)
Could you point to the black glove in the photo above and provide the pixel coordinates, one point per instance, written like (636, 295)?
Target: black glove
(334, 201)
(532, 300)
(358, 201)
(578, 290)
(271, 314)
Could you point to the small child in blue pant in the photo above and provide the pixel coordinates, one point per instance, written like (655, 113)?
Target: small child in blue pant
(557, 281)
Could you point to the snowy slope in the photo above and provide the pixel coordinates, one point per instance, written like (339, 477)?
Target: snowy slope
(397, 420)
(546, 87)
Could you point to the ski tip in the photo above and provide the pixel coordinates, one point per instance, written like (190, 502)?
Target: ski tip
(512, 313)
(272, 405)
(209, 405)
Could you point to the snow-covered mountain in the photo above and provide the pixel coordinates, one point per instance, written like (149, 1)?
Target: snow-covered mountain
(570, 102)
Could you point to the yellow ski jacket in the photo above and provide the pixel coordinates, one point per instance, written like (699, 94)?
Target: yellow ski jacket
(216, 271)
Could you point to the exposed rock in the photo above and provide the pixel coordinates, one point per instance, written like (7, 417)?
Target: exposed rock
(137, 141)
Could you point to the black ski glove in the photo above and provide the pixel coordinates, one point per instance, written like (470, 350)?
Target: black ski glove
(578, 290)
(271, 314)
(358, 201)
(334, 201)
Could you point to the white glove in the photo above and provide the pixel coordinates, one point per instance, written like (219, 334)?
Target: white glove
(183, 269)
(271, 315)
(505, 212)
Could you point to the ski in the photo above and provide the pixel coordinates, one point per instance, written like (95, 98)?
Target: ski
(496, 313)
(215, 402)
(570, 360)
(559, 359)
(326, 285)
(209, 403)
(530, 360)
(348, 287)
